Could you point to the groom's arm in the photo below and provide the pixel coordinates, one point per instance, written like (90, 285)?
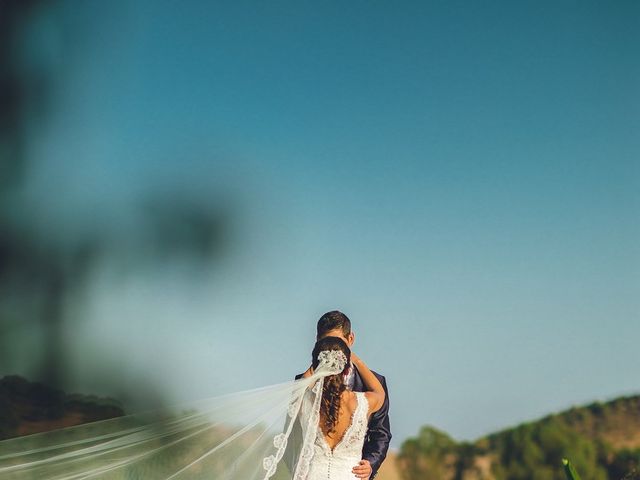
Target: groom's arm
(379, 435)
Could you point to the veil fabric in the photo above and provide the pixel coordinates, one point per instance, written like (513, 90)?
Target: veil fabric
(261, 434)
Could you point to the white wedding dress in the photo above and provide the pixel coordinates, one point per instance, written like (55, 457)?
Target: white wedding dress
(337, 464)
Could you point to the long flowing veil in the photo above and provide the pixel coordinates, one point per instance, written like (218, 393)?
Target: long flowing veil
(252, 435)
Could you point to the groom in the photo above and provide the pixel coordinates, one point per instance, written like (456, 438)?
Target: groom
(337, 324)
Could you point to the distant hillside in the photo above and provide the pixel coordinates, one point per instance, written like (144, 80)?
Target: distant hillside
(601, 439)
(28, 407)
(616, 422)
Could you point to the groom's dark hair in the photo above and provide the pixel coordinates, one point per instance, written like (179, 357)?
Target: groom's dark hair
(332, 321)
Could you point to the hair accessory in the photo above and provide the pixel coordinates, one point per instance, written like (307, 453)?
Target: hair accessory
(332, 360)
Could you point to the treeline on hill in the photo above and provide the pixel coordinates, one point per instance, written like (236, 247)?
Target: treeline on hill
(29, 407)
(602, 440)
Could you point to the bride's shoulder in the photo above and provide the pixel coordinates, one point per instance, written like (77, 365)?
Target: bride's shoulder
(371, 399)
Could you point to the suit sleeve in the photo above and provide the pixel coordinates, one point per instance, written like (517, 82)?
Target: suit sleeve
(378, 438)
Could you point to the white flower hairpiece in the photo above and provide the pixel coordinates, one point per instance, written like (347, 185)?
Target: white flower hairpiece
(332, 360)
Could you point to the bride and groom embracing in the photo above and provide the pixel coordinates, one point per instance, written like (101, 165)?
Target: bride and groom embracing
(344, 431)
(336, 427)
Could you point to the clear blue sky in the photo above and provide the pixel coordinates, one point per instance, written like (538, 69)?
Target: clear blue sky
(461, 178)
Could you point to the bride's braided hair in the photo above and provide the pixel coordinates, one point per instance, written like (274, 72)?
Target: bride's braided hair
(333, 384)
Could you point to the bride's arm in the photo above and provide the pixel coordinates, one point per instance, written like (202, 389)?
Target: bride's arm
(375, 391)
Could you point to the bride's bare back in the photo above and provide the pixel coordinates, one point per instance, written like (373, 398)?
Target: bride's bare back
(348, 405)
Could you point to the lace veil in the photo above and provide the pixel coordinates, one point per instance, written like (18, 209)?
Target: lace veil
(261, 434)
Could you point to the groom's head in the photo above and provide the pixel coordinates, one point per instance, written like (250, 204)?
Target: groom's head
(335, 324)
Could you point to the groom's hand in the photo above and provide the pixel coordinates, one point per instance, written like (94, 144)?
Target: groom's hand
(363, 469)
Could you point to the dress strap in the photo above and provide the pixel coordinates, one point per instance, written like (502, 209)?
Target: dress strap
(363, 404)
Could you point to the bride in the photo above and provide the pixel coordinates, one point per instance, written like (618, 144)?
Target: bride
(343, 414)
(232, 437)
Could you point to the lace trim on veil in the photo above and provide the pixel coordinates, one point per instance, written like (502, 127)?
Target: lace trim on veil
(331, 362)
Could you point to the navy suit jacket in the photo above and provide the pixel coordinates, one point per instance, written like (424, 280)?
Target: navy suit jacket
(378, 438)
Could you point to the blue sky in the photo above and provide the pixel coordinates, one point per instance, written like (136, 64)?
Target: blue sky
(461, 178)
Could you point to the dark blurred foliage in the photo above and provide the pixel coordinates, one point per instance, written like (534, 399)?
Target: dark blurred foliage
(534, 451)
(34, 407)
(39, 276)
(625, 464)
(15, 90)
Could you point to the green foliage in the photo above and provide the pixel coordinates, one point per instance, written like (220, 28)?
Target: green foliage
(625, 464)
(465, 459)
(531, 451)
(569, 471)
(534, 451)
(425, 457)
(598, 409)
